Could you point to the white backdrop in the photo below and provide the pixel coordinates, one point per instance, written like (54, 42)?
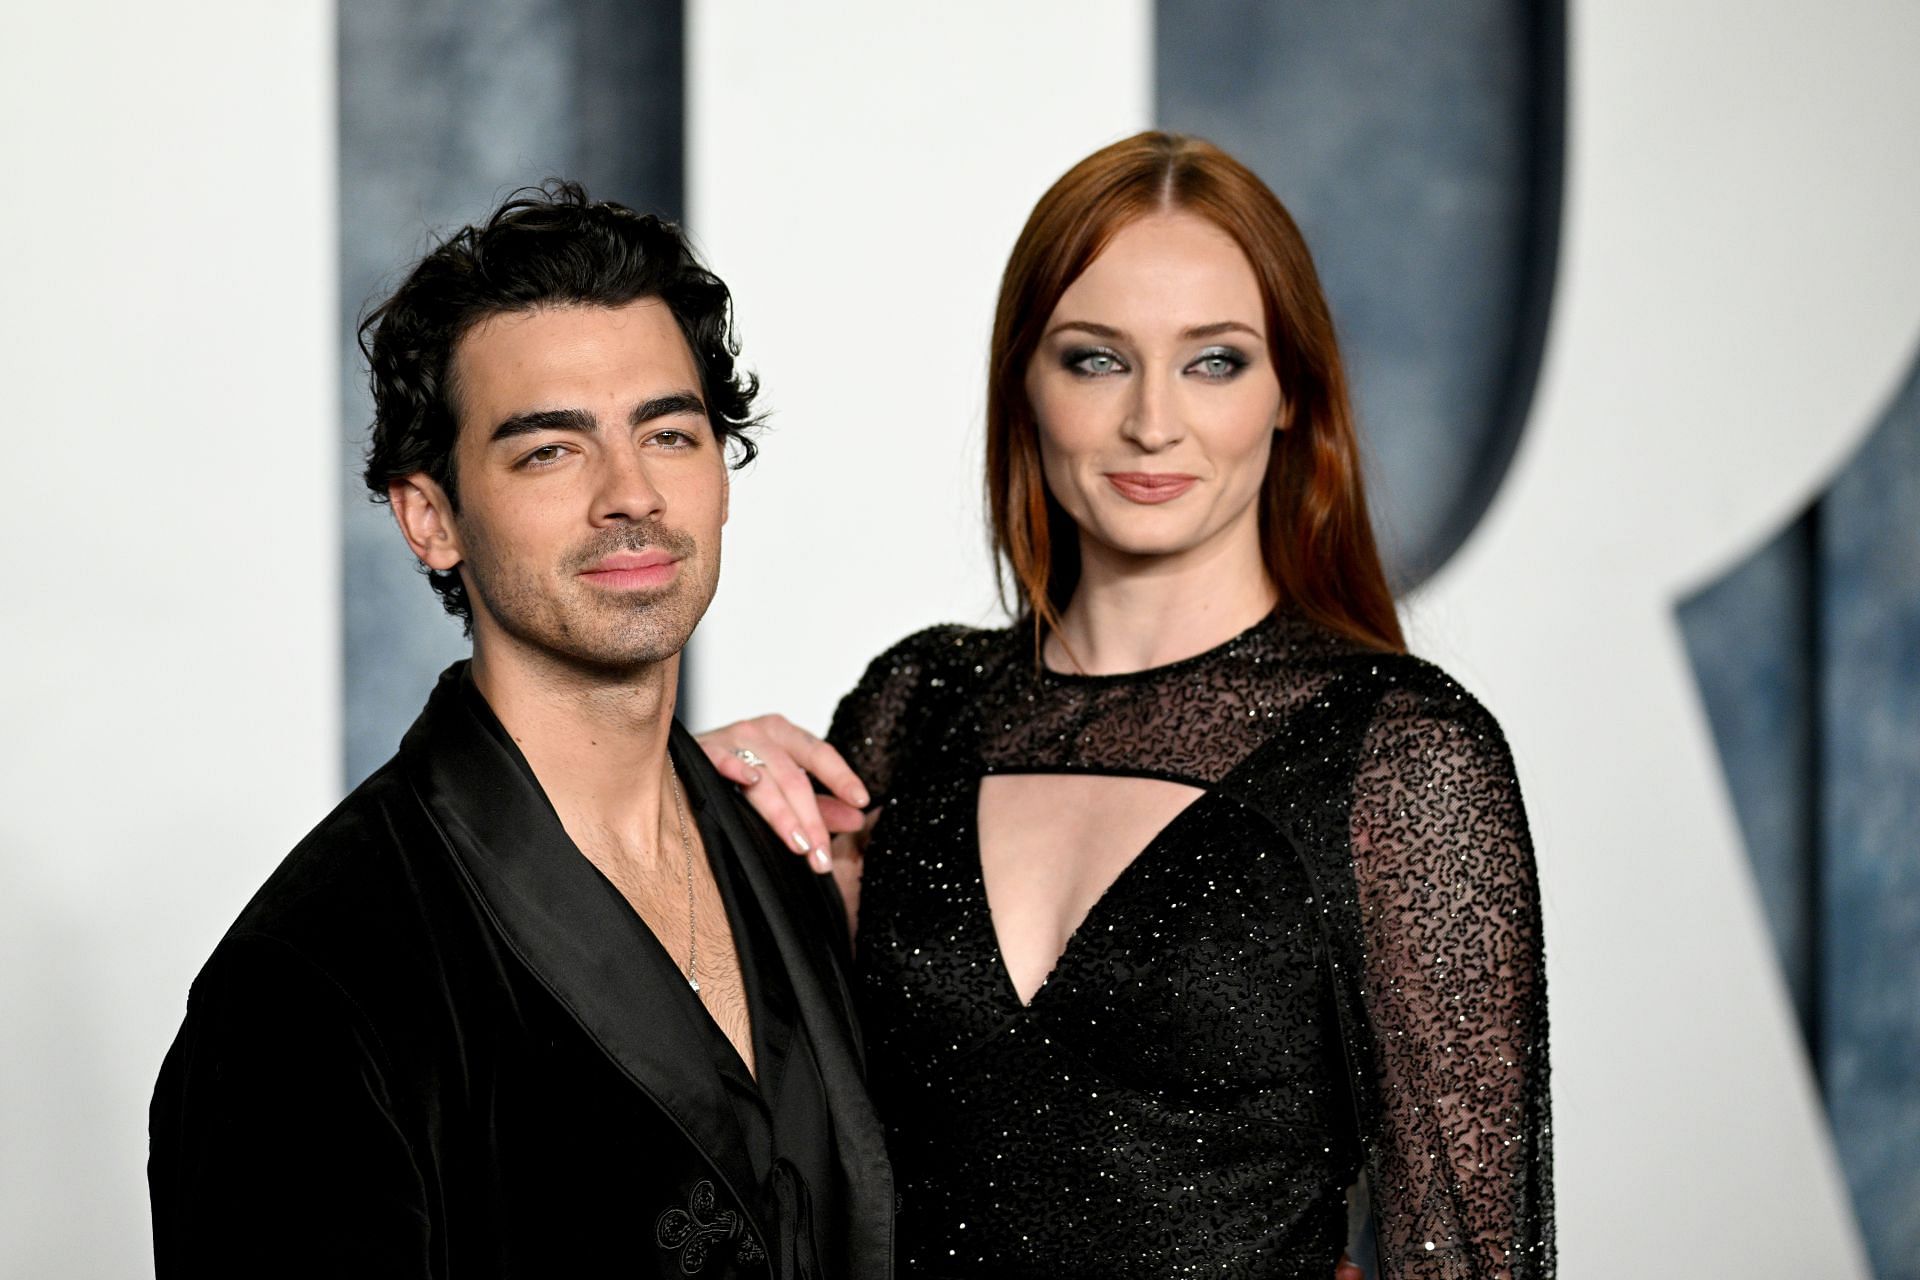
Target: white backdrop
(1738, 292)
(858, 184)
(168, 625)
(1739, 295)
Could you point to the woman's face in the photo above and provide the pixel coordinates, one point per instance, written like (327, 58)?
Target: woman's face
(1155, 394)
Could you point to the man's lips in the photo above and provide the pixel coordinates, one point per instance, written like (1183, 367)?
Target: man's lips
(626, 570)
(1149, 487)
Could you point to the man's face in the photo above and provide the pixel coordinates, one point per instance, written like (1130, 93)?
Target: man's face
(592, 487)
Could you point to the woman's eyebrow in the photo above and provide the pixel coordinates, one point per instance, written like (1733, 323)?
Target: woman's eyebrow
(1219, 327)
(1088, 326)
(1211, 330)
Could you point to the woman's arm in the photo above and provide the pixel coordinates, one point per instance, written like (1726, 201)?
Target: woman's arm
(1460, 1159)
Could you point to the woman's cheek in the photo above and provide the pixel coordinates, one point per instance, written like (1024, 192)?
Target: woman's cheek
(1067, 437)
(1258, 448)
(1057, 469)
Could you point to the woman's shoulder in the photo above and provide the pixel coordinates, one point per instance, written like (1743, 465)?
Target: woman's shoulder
(941, 645)
(1424, 723)
(1417, 690)
(1297, 646)
(933, 658)
(903, 689)
(939, 656)
(1412, 685)
(1399, 686)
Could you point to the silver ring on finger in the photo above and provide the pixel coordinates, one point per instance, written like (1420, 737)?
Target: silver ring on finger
(748, 757)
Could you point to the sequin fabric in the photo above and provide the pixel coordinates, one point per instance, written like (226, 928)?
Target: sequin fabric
(1330, 961)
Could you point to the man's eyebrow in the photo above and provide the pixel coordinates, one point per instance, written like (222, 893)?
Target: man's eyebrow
(523, 424)
(666, 406)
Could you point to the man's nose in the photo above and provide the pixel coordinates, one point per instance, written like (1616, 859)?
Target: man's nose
(626, 491)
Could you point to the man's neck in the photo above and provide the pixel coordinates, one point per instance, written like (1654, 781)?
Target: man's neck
(596, 741)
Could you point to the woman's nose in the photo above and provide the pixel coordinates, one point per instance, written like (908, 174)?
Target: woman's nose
(1153, 420)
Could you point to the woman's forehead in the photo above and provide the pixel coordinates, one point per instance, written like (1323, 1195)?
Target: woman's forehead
(1167, 270)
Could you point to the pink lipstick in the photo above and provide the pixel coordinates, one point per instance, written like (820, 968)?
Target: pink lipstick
(1150, 487)
(633, 570)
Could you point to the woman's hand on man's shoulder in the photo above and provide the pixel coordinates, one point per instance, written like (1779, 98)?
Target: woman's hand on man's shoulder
(775, 762)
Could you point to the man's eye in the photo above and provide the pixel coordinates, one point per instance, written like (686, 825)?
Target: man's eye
(1094, 363)
(673, 438)
(545, 455)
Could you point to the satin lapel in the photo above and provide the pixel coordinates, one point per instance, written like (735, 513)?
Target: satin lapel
(824, 1007)
(566, 922)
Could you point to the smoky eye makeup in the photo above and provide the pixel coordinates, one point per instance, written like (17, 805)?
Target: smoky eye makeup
(1092, 362)
(1220, 363)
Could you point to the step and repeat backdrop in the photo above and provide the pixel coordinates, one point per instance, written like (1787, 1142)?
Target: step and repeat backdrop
(1631, 301)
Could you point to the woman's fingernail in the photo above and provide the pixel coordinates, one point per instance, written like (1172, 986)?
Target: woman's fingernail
(862, 798)
(821, 861)
(800, 843)
(752, 778)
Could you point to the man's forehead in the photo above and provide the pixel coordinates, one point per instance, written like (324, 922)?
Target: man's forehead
(576, 347)
(595, 359)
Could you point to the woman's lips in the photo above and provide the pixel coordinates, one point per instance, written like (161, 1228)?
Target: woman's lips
(1149, 487)
(631, 570)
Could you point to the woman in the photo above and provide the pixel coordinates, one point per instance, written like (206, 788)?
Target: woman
(1191, 895)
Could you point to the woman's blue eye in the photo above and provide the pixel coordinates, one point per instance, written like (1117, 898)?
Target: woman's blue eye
(1221, 364)
(1093, 363)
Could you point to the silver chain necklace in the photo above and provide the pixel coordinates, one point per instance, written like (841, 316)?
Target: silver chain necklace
(686, 851)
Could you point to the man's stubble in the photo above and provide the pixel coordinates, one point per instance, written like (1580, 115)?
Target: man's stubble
(554, 612)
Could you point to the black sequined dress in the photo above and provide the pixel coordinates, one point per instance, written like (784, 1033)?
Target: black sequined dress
(1328, 962)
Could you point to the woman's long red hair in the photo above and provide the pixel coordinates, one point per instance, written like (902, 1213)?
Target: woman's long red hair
(1315, 533)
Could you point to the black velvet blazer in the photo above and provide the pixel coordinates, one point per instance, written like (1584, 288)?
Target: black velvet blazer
(426, 1048)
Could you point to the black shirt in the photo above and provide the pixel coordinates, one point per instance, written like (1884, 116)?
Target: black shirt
(780, 1107)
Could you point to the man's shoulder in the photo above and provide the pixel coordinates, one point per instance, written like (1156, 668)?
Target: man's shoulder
(358, 887)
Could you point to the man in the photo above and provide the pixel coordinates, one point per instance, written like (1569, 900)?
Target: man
(541, 997)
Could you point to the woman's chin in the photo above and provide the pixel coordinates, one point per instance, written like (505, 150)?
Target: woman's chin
(1146, 548)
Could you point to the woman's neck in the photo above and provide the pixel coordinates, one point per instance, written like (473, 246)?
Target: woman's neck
(1129, 613)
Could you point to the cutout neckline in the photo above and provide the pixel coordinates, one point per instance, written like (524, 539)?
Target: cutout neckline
(1100, 902)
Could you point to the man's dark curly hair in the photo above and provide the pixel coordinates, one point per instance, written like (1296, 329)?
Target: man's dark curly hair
(545, 246)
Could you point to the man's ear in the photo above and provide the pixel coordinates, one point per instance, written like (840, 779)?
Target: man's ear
(425, 516)
(726, 490)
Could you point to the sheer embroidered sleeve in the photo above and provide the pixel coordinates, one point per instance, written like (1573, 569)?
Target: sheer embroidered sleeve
(1459, 1162)
(873, 722)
